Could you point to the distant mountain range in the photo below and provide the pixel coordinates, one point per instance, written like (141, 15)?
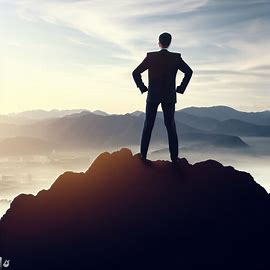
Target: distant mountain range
(225, 120)
(43, 114)
(222, 113)
(80, 131)
(26, 146)
(210, 126)
(219, 113)
(27, 117)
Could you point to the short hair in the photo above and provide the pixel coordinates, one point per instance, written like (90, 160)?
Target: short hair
(165, 39)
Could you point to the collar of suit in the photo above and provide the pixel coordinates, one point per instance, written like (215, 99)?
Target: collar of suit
(164, 49)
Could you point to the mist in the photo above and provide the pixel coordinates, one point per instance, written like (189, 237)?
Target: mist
(32, 173)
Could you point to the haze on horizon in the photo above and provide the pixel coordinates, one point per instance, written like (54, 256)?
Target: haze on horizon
(80, 54)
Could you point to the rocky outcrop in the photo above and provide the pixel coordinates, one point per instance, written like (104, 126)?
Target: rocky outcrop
(125, 214)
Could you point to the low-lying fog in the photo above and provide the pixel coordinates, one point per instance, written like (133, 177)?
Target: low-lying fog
(29, 174)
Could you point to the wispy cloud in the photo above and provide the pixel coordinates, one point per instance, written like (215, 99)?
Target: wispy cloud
(227, 43)
(231, 25)
(114, 21)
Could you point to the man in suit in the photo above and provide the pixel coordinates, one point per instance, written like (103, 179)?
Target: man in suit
(162, 68)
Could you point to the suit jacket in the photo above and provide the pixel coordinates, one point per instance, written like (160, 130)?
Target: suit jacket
(162, 69)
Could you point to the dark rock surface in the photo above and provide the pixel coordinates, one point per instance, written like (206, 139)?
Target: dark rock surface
(124, 214)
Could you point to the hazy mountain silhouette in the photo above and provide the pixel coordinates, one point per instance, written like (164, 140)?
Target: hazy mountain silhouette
(223, 120)
(215, 139)
(26, 146)
(210, 114)
(86, 129)
(43, 114)
(241, 128)
(99, 112)
(11, 130)
(202, 142)
(138, 113)
(93, 130)
(222, 113)
(28, 117)
(5, 119)
(106, 130)
(211, 120)
(124, 214)
(203, 123)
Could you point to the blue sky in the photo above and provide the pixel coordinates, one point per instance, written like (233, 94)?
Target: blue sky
(80, 54)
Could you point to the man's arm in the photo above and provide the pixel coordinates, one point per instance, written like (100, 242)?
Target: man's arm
(137, 74)
(183, 66)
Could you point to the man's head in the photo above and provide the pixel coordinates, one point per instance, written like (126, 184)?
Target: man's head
(164, 40)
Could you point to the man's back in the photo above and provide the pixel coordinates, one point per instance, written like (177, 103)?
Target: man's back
(162, 69)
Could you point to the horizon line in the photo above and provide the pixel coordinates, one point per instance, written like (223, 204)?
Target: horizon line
(93, 110)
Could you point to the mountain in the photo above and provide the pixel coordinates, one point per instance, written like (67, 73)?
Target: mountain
(29, 116)
(26, 146)
(203, 123)
(222, 113)
(137, 113)
(200, 117)
(92, 130)
(218, 140)
(217, 112)
(5, 119)
(241, 128)
(86, 130)
(43, 114)
(202, 142)
(99, 112)
(209, 124)
(10, 130)
(125, 214)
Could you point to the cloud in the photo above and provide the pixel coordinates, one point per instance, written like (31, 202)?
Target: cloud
(261, 68)
(131, 25)
(227, 43)
(112, 21)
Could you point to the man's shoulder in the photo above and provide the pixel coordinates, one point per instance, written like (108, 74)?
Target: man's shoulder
(176, 54)
(153, 53)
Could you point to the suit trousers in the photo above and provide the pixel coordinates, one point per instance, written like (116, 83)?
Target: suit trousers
(150, 116)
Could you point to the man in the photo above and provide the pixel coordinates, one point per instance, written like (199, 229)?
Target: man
(162, 68)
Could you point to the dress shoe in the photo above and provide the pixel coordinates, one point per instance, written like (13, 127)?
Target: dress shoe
(176, 161)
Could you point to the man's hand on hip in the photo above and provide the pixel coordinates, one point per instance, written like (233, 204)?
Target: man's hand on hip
(143, 89)
(180, 89)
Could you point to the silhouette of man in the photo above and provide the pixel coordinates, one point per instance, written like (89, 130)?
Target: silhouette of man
(162, 68)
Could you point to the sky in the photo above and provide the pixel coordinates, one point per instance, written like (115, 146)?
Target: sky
(80, 53)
